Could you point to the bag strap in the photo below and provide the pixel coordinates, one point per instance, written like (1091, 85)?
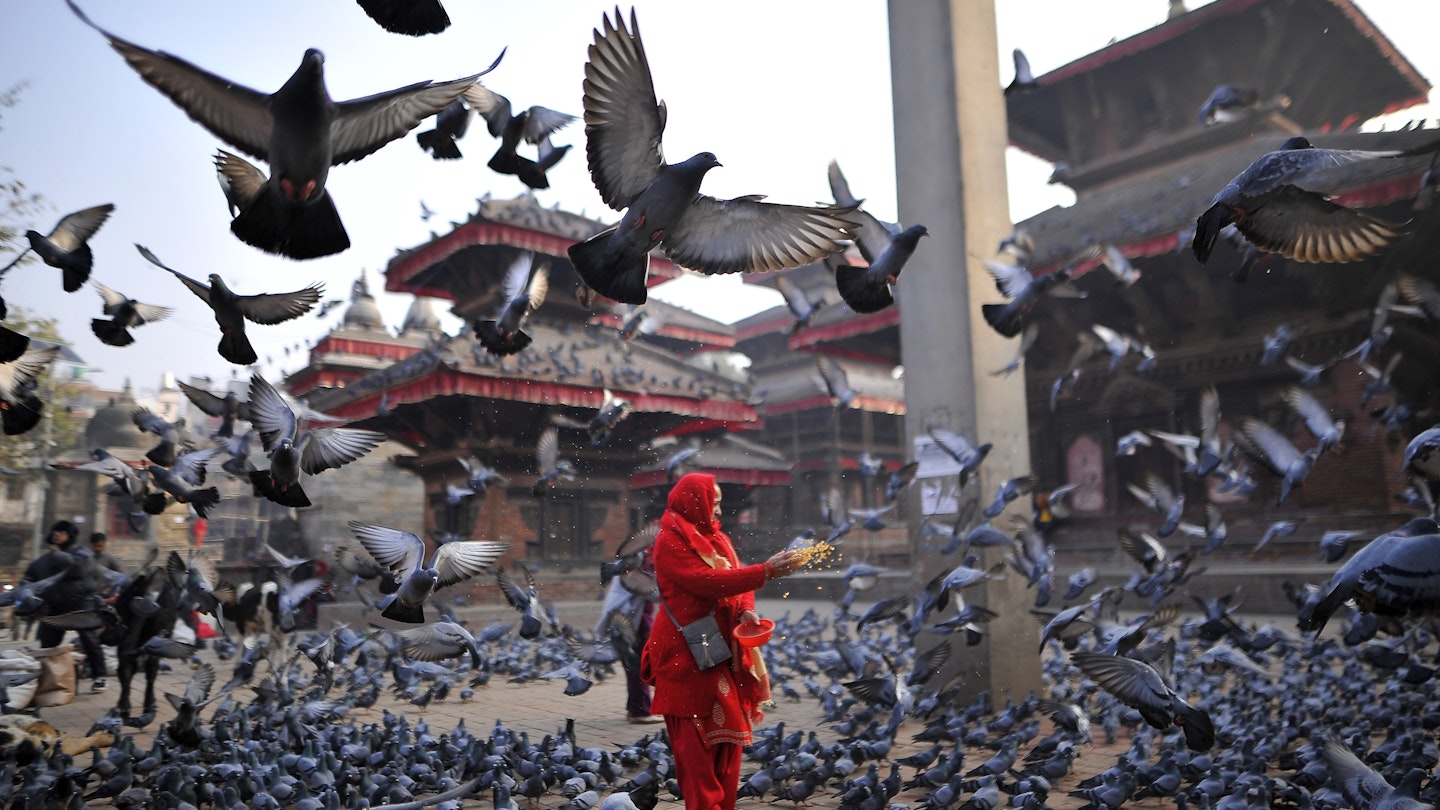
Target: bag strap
(673, 620)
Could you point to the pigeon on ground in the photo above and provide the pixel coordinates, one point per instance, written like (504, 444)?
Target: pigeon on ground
(885, 247)
(403, 554)
(1139, 686)
(297, 129)
(232, 311)
(663, 207)
(534, 126)
(124, 313)
(412, 18)
(67, 246)
(294, 450)
(1280, 205)
(20, 406)
(522, 292)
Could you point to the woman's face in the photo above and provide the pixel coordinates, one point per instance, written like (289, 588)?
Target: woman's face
(716, 512)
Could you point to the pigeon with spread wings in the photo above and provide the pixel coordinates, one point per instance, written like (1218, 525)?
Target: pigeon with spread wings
(293, 450)
(403, 555)
(522, 292)
(124, 313)
(232, 311)
(299, 130)
(836, 382)
(68, 245)
(885, 247)
(534, 125)
(663, 205)
(1141, 687)
(798, 302)
(20, 407)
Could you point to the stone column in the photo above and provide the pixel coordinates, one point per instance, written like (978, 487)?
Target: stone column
(950, 143)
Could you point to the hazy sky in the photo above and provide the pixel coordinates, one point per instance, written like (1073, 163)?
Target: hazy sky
(775, 89)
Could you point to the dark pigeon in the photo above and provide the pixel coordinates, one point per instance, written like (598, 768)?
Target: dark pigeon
(299, 130)
(20, 407)
(1139, 686)
(885, 247)
(451, 124)
(522, 292)
(232, 311)
(67, 246)
(413, 18)
(293, 450)
(1226, 103)
(663, 207)
(534, 126)
(124, 313)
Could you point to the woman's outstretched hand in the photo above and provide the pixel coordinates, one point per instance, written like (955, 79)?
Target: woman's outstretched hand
(785, 563)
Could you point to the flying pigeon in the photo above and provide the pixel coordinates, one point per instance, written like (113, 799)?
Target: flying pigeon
(297, 129)
(68, 245)
(613, 411)
(184, 482)
(522, 292)
(534, 126)
(525, 599)
(1325, 428)
(228, 408)
(798, 302)
(1422, 463)
(837, 382)
(1226, 103)
(20, 407)
(451, 124)
(1395, 574)
(1024, 291)
(1279, 454)
(1024, 80)
(1140, 686)
(403, 554)
(552, 468)
(12, 344)
(1279, 204)
(885, 247)
(124, 313)
(412, 18)
(1363, 786)
(663, 207)
(293, 450)
(232, 310)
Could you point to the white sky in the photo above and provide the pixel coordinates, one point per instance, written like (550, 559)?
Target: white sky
(775, 89)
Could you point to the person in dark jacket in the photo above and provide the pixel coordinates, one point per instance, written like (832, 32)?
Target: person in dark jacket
(708, 713)
(75, 591)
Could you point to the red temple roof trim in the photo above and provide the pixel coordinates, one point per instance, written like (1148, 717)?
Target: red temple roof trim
(382, 346)
(707, 425)
(850, 327)
(446, 382)
(756, 478)
(873, 404)
(400, 273)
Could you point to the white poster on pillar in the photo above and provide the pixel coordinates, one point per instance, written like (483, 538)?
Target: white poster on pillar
(937, 477)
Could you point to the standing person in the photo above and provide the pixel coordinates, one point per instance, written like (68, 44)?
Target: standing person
(639, 611)
(106, 560)
(73, 592)
(708, 713)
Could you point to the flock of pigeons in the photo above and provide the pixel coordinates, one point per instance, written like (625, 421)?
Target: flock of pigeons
(1220, 712)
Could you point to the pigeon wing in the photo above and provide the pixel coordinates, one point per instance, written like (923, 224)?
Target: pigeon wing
(1315, 416)
(1275, 450)
(872, 236)
(515, 594)
(329, 448)
(494, 107)
(547, 450)
(795, 298)
(232, 112)
(1134, 683)
(398, 551)
(202, 680)
(363, 125)
(74, 230)
(461, 561)
(1010, 279)
(1360, 783)
(542, 122)
(273, 308)
(269, 413)
(745, 235)
(837, 382)
(623, 120)
(190, 467)
(207, 402)
(643, 539)
(434, 642)
(201, 290)
(539, 286)
(1306, 227)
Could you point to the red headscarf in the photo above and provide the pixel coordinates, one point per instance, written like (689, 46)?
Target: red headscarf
(691, 515)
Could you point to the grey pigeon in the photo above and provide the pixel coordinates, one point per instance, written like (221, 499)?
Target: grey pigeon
(67, 246)
(1024, 291)
(1363, 786)
(124, 313)
(412, 18)
(1422, 463)
(886, 249)
(227, 408)
(1139, 686)
(1279, 454)
(836, 381)
(798, 302)
(1325, 428)
(232, 310)
(1278, 529)
(663, 206)
(440, 641)
(552, 468)
(294, 450)
(1279, 204)
(297, 129)
(1394, 574)
(403, 554)
(521, 293)
(533, 125)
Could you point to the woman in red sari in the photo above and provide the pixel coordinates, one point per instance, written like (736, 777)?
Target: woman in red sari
(708, 713)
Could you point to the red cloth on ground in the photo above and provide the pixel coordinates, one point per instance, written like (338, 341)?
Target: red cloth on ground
(698, 571)
(709, 777)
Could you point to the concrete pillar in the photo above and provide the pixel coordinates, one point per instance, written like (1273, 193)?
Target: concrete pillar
(950, 143)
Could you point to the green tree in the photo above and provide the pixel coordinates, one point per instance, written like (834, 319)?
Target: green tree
(59, 429)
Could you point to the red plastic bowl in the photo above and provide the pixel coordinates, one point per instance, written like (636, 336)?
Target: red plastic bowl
(754, 635)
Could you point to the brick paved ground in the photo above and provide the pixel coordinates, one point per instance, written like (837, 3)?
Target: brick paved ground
(540, 708)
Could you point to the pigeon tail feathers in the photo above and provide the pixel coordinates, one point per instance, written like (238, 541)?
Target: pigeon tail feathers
(19, 417)
(235, 347)
(497, 344)
(439, 145)
(399, 611)
(265, 486)
(1207, 230)
(861, 295)
(111, 333)
(296, 231)
(77, 267)
(1005, 319)
(619, 273)
(202, 499)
